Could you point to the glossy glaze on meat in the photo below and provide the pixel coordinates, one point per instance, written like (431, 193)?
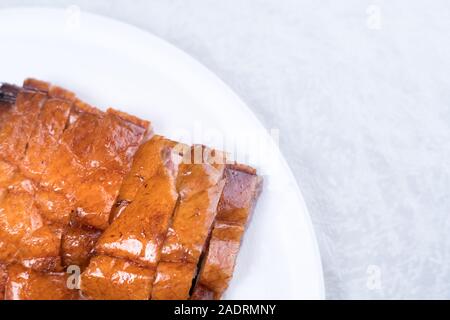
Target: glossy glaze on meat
(26, 284)
(238, 199)
(200, 186)
(17, 124)
(148, 160)
(60, 160)
(138, 233)
(78, 187)
(78, 244)
(3, 279)
(109, 278)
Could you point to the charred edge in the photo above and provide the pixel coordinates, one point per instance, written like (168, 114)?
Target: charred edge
(8, 93)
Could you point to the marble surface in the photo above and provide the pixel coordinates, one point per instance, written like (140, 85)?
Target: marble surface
(360, 92)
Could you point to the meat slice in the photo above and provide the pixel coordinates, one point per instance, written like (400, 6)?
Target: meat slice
(139, 232)
(108, 278)
(200, 186)
(45, 137)
(17, 124)
(25, 237)
(238, 199)
(137, 235)
(146, 163)
(173, 281)
(220, 260)
(191, 226)
(26, 284)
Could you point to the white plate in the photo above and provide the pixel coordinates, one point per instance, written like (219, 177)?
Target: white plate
(109, 63)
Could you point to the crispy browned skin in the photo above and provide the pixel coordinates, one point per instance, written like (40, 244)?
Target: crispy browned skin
(146, 162)
(17, 123)
(191, 226)
(81, 152)
(89, 164)
(200, 186)
(236, 204)
(59, 158)
(138, 234)
(45, 137)
(108, 278)
(25, 236)
(26, 284)
(53, 206)
(173, 281)
(77, 245)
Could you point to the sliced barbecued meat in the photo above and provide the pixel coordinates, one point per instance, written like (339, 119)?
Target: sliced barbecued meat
(238, 199)
(26, 284)
(200, 186)
(138, 234)
(192, 223)
(109, 278)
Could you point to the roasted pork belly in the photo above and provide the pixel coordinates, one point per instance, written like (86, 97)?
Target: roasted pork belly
(45, 137)
(238, 199)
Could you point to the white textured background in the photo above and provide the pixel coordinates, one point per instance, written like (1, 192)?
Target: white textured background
(363, 104)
